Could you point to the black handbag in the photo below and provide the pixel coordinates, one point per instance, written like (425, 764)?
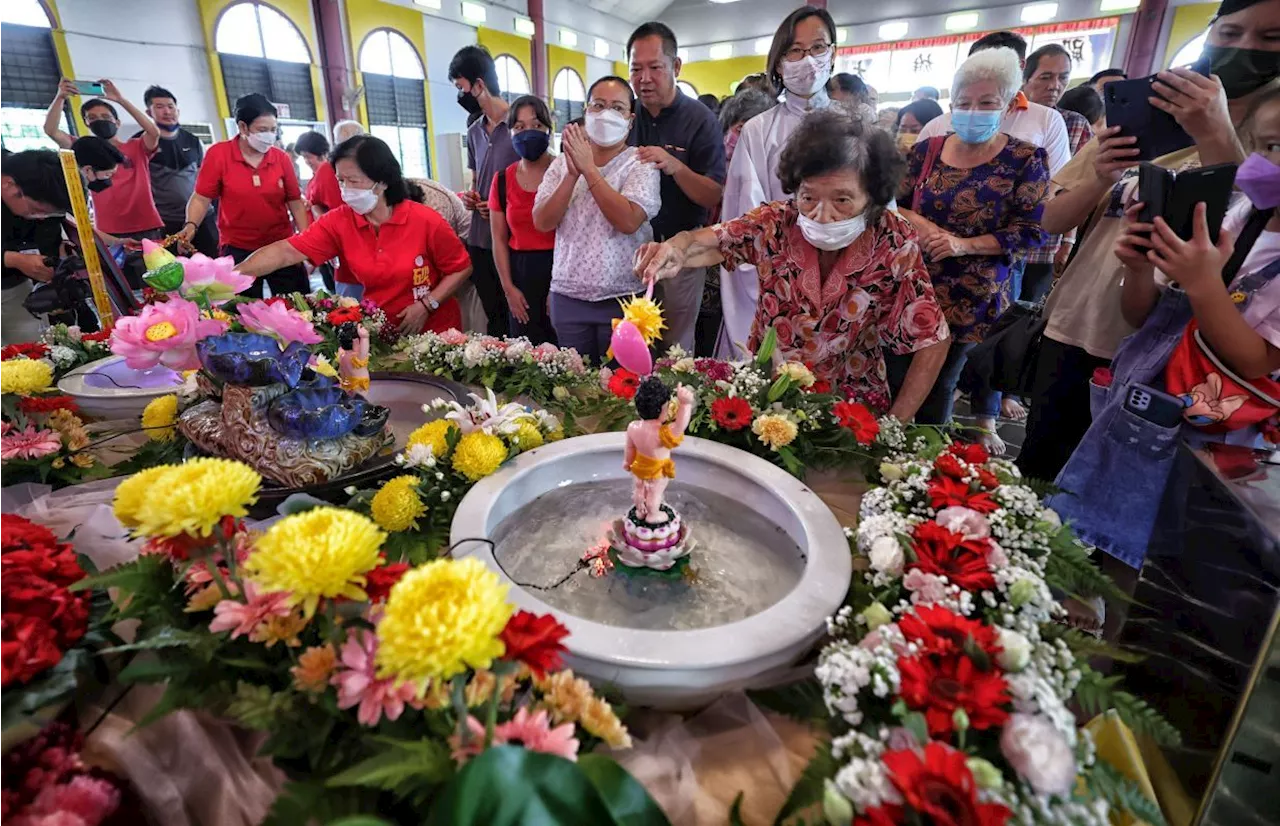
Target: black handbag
(1006, 359)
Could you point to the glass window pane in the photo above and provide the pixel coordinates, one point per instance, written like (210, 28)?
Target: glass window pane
(375, 57)
(687, 88)
(24, 13)
(23, 129)
(404, 58)
(413, 152)
(568, 86)
(390, 135)
(238, 31)
(511, 76)
(282, 38)
(1189, 53)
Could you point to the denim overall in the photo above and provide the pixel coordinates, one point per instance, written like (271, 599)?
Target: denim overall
(1113, 483)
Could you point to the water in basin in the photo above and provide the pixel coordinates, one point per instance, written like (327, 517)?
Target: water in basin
(119, 376)
(742, 564)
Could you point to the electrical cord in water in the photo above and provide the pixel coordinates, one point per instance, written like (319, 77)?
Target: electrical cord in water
(581, 566)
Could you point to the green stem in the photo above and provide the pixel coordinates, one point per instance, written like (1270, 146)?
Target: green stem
(216, 573)
(491, 714)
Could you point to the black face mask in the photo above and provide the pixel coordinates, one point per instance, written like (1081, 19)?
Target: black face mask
(468, 101)
(1241, 70)
(104, 129)
(99, 184)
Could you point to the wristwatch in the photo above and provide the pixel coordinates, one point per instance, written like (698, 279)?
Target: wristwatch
(431, 303)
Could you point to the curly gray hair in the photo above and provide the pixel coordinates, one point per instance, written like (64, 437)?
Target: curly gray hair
(999, 65)
(744, 106)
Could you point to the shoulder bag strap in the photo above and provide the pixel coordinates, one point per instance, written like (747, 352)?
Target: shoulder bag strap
(1253, 228)
(502, 188)
(930, 158)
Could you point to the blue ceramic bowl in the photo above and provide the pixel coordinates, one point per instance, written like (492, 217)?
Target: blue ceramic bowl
(317, 412)
(252, 359)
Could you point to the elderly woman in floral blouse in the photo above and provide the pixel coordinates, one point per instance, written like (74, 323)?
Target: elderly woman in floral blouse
(841, 277)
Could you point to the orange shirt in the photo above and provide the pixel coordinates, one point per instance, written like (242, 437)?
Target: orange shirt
(252, 202)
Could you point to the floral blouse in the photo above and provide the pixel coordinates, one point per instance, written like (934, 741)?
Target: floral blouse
(1003, 197)
(877, 295)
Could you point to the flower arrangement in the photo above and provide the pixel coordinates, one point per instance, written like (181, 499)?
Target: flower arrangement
(948, 680)
(375, 678)
(511, 366)
(47, 783)
(329, 312)
(66, 348)
(42, 437)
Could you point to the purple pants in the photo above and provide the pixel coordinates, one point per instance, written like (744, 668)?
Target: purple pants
(586, 326)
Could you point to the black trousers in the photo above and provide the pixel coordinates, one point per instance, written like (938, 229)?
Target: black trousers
(531, 274)
(484, 274)
(284, 280)
(206, 238)
(1059, 413)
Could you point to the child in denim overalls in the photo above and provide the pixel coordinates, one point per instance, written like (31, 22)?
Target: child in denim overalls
(1215, 346)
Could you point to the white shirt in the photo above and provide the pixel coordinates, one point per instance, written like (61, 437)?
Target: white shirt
(1037, 125)
(753, 180)
(593, 261)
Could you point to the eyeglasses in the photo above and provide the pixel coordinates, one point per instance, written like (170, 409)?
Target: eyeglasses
(595, 107)
(795, 54)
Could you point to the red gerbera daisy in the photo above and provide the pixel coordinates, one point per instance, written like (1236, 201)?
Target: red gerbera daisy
(381, 578)
(988, 479)
(535, 641)
(345, 315)
(937, 785)
(949, 466)
(818, 386)
(938, 686)
(938, 630)
(858, 419)
(887, 815)
(623, 383)
(36, 405)
(101, 335)
(945, 492)
(731, 413)
(947, 553)
(971, 452)
(30, 349)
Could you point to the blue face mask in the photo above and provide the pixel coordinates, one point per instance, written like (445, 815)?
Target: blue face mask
(976, 125)
(530, 144)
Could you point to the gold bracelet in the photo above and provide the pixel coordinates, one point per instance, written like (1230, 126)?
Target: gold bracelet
(357, 362)
(353, 384)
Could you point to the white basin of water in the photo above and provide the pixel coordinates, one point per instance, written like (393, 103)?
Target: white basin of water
(770, 564)
(110, 389)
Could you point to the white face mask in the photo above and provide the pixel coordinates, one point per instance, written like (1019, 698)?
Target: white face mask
(607, 128)
(834, 236)
(806, 77)
(361, 200)
(261, 141)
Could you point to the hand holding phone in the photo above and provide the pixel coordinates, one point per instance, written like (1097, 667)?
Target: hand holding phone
(89, 88)
(1129, 107)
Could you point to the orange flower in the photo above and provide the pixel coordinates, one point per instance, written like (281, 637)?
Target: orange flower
(315, 666)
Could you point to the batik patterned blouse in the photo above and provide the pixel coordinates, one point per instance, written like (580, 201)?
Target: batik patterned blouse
(877, 295)
(1003, 197)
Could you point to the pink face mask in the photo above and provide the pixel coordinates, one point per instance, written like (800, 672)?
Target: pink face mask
(1259, 179)
(730, 141)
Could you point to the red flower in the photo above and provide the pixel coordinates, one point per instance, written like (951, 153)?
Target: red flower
(939, 788)
(886, 815)
(535, 641)
(938, 686)
(949, 466)
(818, 386)
(714, 369)
(973, 453)
(731, 413)
(945, 493)
(345, 315)
(30, 647)
(30, 349)
(37, 405)
(379, 581)
(623, 383)
(946, 553)
(940, 631)
(988, 479)
(102, 335)
(857, 419)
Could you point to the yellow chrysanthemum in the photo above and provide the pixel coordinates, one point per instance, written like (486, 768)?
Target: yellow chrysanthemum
(775, 431)
(434, 435)
(323, 552)
(397, 505)
(70, 428)
(322, 366)
(646, 314)
(133, 492)
(565, 695)
(556, 435)
(315, 666)
(25, 376)
(440, 619)
(798, 373)
(193, 497)
(158, 418)
(478, 454)
(528, 436)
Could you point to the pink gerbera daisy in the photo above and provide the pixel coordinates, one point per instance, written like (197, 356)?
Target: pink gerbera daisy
(533, 731)
(29, 443)
(358, 683)
(240, 618)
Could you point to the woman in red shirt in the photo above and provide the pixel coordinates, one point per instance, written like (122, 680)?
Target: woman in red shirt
(322, 195)
(257, 191)
(408, 258)
(523, 255)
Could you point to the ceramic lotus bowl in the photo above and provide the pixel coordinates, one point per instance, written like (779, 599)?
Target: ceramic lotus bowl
(252, 359)
(318, 411)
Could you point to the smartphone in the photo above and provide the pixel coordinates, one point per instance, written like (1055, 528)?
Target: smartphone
(89, 88)
(1211, 184)
(1154, 183)
(1129, 107)
(1156, 406)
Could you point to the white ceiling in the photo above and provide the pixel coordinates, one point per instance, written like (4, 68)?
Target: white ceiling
(633, 11)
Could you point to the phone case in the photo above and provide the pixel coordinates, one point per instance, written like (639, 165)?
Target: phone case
(1129, 108)
(1213, 185)
(1156, 406)
(1154, 183)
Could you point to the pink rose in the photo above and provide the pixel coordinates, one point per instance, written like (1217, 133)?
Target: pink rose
(965, 521)
(1039, 753)
(453, 337)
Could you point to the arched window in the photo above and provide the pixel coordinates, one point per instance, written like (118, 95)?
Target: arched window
(1190, 52)
(394, 98)
(262, 51)
(687, 88)
(512, 78)
(569, 96)
(30, 77)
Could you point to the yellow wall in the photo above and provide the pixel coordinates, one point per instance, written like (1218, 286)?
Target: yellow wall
(64, 61)
(559, 58)
(500, 43)
(298, 12)
(718, 76)
(621, 69)
(1188, 22)
(367, 16)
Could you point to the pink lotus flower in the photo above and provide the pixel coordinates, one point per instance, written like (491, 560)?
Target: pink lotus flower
(534, 732)
(358, 683)
(280, 321)
(214, 278)
(165, 334)
(29, 443)
(454, 337)
(240, 618)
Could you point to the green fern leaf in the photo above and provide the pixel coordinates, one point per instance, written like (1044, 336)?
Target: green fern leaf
(809, 788)
(1107, 782)
(1097, 694)
(1086, 645)
(801, 701)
